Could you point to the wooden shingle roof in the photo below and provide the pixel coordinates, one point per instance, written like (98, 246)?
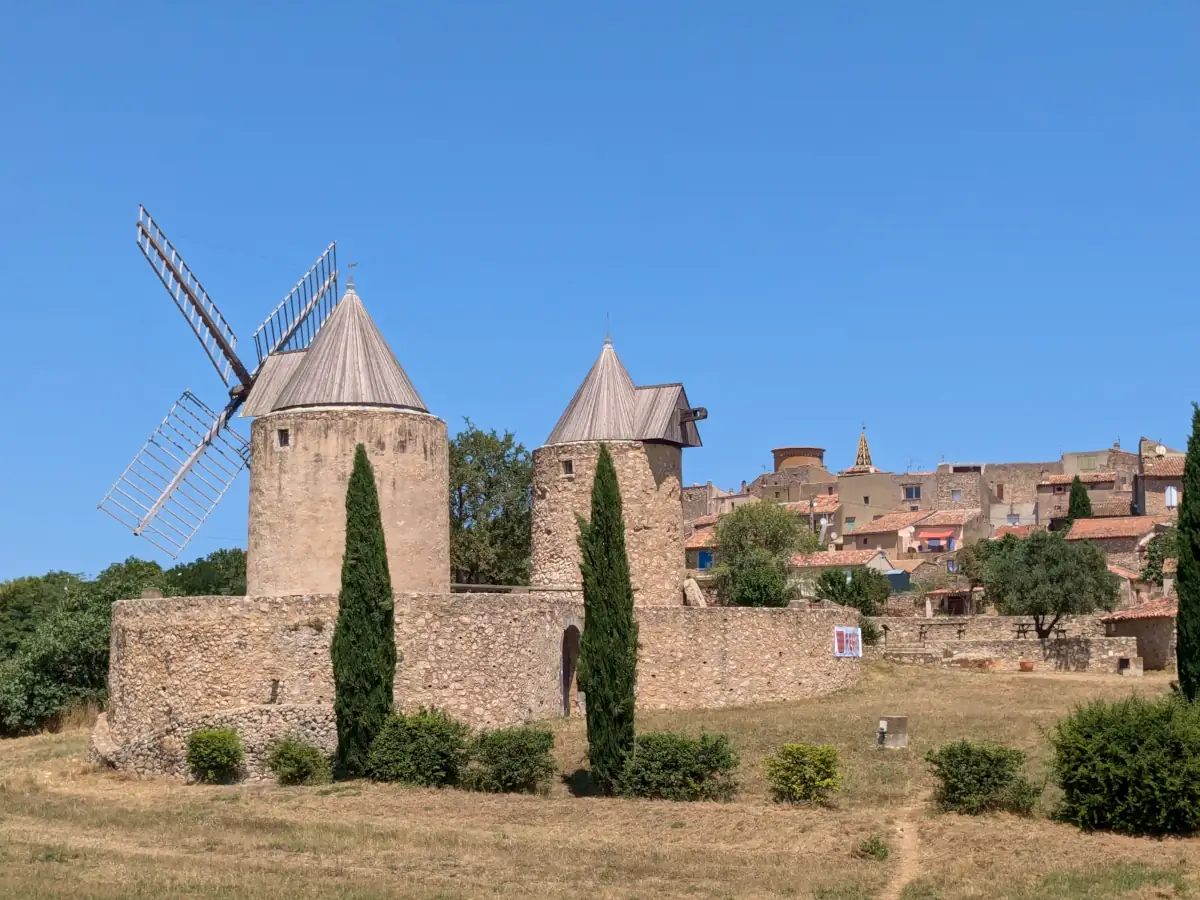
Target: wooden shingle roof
(349, 364)
(608, 406)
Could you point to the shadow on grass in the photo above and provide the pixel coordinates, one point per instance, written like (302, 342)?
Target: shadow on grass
(579, 784)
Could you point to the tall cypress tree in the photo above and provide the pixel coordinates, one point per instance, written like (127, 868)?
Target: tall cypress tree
(364, 639)
(1079, 506)
(1187, 579)
(607, 670)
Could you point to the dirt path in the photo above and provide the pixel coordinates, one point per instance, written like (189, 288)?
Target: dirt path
(908, 849)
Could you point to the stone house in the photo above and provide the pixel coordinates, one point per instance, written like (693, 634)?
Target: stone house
(700, 500)
(893, 533)
(961, 486)
(1122, 463)
(807, 568)
(1013, 493)
(1054, 493)
(919, 569)
(1153, 624)
(1122, 538)
(1159, 486)
(699, 547)
(821, 510)
(799, 473)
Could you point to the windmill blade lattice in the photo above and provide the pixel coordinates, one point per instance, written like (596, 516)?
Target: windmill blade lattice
(179, 475)
(295, 322)
(211, 329)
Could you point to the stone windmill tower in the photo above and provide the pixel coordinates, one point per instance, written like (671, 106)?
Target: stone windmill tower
(313, 408)
(646, 429)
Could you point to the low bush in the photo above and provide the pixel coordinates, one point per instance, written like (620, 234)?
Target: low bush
(1132, 765)
(977, 777)
(803, 773)
(669, 766)
(296, 761)
(427, 747)
(511, 761)
(873, 848)
(215, 755)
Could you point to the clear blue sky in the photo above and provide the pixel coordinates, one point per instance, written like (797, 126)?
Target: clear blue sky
(972, 226)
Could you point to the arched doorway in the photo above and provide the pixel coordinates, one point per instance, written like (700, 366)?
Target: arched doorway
(570, 656)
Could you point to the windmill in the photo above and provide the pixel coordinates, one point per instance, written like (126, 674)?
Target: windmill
(192, 458)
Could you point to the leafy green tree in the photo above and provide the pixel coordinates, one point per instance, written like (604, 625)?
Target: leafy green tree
(220, 574)
(1187, 621)
(25, 602)
(1079, 505)
(1163, 546)
(364, 638)
(751, 537)
(1046, 577)
(607, 670)
(126, 580)
(865, 590)
(491, 508)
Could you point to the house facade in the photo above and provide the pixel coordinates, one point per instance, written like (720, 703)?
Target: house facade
(1123, 538)
(1054, 493)
(807, 568)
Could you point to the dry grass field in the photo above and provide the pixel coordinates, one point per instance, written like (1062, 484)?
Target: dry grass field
(69, 831)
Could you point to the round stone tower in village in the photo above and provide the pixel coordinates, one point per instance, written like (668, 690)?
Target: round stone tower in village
(646, 429)
(313, 408)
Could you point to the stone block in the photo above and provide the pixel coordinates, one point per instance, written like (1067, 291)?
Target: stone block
(1130, 666)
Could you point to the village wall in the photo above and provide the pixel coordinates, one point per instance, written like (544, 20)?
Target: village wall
(906, 630)
(649, 476)
(1072, 654)
(262, 665)
(298, 481)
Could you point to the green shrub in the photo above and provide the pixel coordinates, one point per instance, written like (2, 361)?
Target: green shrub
(296, 761)
(870, 631)
(1132, 765)
(511, 761)
(215, 755)
(975, 777)
(803, 773)
(427, 748)
(669, 766)
(873, 848)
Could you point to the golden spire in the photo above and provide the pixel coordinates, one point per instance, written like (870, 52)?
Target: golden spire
(863, 459)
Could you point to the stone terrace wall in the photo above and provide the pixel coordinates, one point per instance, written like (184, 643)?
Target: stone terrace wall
(735, 656)
(1072, 654)
(905, 630)
(262, 664)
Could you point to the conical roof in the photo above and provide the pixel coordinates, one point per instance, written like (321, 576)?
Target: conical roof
(349, 364)
(604, 407)
(863, 457)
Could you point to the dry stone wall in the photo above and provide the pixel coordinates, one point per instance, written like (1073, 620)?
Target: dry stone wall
(649, 477)
(907, 630)
(262, 665)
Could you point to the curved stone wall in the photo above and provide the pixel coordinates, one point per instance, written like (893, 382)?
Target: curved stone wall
(649, 476)
(300, 465)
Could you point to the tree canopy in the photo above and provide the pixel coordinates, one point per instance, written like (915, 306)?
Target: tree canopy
(491, 508)
(1046, 577)
(750, 540)
(1079, 505)
(865, 590)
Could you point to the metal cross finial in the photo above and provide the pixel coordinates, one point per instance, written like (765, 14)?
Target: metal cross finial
(350, 278)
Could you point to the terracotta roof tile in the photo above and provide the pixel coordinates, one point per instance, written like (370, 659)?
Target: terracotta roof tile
(890, 522)
(709, 519)
(951, 517)
(829, 558)
(1116, 527)
(1016, 531)
(824, 504)
(701, 539)
(1124, 573)
(1151, 609)
(1165, 467)
(1085, 477)
(1108, 508)
(911, 565)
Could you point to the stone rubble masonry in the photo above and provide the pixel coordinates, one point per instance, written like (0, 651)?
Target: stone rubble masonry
(649, 477)
(298, 497)
(1072, 654)
(261, 665)
(906, 630)
(972, 486)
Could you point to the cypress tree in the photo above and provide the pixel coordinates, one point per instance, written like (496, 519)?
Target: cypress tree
(1187, 584)
(607, 671)
(364, 639)
(1079, 506)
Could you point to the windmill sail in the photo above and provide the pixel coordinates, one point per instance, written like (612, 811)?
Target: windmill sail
(295, 322)
(179, 475)
(211, 329)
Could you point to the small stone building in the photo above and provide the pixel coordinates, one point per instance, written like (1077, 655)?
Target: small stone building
(1123, 538)
(645, 429)
(1153, 624)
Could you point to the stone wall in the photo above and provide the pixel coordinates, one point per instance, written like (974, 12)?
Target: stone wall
(1122, 552)
(1072, 654)
(906, 630)
(1153, 495)
(1155, 640)
(298, 497)
(649, 476)
(971, 485)
(262, 664)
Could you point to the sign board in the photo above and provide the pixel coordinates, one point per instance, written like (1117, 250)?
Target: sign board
(847, 641)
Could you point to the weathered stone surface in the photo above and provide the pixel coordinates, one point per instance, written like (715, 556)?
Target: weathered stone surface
(261, 665)
(649, 477)
(298, 497)
(692, 594)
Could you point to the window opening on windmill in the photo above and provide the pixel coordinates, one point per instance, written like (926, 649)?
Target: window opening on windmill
(568, 466)
(284, 437)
